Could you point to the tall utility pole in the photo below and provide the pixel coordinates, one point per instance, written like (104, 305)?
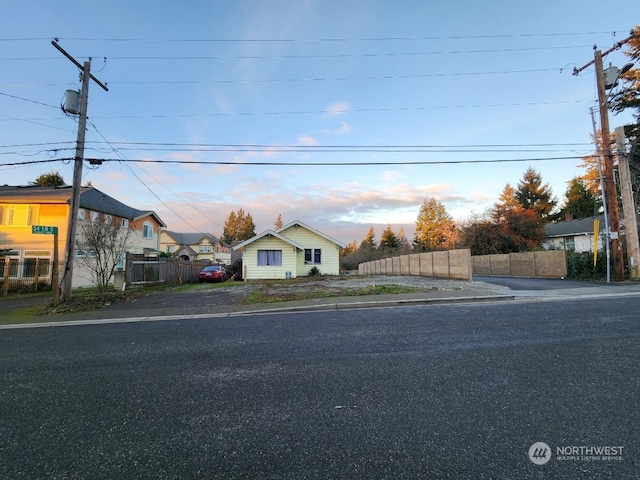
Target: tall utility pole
(628, 206)
(70, 246)
(609, 183)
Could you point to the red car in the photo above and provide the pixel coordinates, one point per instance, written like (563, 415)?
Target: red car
(212, 273)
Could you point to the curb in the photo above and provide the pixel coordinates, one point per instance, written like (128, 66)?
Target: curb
(267, 311)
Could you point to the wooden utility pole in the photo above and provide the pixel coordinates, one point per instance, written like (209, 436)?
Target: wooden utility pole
(609, 179)
(628, 206)
(70, 246)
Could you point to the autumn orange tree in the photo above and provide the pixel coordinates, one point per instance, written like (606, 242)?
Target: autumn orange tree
(628, 97)
(509, 228)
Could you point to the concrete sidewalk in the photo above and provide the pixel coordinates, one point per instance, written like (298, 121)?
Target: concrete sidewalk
(176, 306)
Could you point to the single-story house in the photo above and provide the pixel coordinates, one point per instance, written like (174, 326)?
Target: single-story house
(290, 252)
(574, 234)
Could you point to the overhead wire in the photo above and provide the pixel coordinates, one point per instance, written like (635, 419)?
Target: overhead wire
(311, 164)
(312, 40)
(123, 161)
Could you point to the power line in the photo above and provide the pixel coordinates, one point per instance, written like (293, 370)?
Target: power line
(308, 40)
(308, 56)
(308, 164)
(157, 181)
(320, 112)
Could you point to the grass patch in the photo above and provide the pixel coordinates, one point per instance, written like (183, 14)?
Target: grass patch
(274, 295)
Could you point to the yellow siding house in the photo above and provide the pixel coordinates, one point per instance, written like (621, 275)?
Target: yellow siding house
(289, 252)
(22, 207)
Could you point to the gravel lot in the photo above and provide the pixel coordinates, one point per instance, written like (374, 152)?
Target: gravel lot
(351, 282)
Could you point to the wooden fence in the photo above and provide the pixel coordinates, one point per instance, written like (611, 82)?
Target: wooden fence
(143, 271)
(23, 276)
(459, 264)
(454, 264)
(549, 264)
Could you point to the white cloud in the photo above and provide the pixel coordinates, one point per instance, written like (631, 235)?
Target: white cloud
(336, 110)
(306, 141)
(341, 130)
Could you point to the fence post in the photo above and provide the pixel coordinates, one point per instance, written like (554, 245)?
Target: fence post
(36, 275)
(7, 267)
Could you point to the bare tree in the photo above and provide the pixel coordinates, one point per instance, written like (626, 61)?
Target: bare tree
(103, 243)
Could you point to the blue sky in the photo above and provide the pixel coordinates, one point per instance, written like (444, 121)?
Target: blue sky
(344, 82)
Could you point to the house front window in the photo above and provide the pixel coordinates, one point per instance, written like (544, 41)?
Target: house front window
(270, 258)
(312, 256)
(570, 243)
(205, 249)
(171, 248)
(147, 230)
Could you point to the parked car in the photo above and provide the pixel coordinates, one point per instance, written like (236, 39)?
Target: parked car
(213, 273)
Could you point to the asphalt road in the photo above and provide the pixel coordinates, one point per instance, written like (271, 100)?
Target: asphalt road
(450, 391)
(527, 283)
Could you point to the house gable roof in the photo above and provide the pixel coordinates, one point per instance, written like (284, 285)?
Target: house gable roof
(311, 229)
(191, 238)
(265, 234)
(90, 198)
(581, 226)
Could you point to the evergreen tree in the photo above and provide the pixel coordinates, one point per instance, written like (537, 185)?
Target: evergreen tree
(434, 228)
(238, 226)
(51, 179)
(388, 241)
(404, 246)
(369, 242)
(535, 196)
(579, 202)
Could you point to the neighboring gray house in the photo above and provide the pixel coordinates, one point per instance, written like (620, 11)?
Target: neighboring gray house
(576, 235)
(195, 246)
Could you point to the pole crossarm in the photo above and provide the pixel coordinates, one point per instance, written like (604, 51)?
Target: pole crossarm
(616, 46)
(77, 64)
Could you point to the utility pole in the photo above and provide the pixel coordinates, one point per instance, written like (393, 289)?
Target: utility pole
(70, 247)
(605, 208)
(628, 206)
(609, 184)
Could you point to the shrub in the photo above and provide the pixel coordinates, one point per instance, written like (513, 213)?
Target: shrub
(580, 266)
(314, 271)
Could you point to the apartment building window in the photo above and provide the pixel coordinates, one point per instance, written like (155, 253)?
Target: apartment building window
(33, 258)
(147, 230)
(16, 215)
(11, 259)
